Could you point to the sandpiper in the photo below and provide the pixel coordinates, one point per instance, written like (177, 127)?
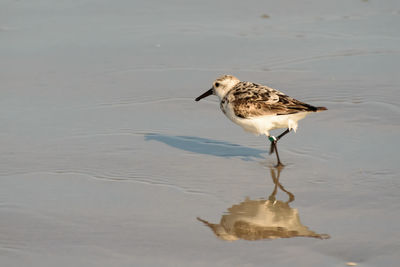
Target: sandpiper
(258, 108)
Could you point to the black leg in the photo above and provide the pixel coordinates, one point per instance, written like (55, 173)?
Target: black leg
(274, 147)
(279, 164)
(282, 134)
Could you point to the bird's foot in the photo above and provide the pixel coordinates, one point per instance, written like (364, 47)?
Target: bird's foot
(279, 165)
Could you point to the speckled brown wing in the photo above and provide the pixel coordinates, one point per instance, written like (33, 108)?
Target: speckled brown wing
(253, 100)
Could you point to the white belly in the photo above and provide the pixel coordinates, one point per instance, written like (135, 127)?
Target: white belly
(263, 124)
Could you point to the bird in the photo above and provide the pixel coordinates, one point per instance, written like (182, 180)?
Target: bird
(258, 108)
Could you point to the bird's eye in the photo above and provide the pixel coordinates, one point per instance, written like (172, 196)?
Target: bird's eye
(216, 84)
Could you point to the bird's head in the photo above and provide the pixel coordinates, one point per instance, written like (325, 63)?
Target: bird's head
(221, 86)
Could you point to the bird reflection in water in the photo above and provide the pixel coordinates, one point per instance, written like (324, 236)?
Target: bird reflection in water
(263, 219)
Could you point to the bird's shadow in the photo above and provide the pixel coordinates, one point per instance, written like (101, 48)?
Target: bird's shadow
(207, 146)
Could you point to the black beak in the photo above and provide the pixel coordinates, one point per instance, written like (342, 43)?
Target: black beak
(209, 92)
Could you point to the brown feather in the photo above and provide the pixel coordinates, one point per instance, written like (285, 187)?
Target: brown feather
(253, 100)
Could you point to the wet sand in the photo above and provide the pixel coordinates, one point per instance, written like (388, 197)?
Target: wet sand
(106, 159)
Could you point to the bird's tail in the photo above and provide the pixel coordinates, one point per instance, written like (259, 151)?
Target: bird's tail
(321, 109)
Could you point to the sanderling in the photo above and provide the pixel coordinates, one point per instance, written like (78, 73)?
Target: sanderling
(259, 108)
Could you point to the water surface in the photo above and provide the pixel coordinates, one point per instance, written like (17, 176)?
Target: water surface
(106, 159)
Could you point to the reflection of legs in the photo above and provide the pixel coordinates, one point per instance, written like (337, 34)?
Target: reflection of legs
(275, 178)
(274, 147)
(275, 181)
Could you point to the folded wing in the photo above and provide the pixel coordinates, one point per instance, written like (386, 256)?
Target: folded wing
(254, 100)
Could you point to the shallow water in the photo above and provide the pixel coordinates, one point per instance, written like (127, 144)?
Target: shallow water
(107, 160)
